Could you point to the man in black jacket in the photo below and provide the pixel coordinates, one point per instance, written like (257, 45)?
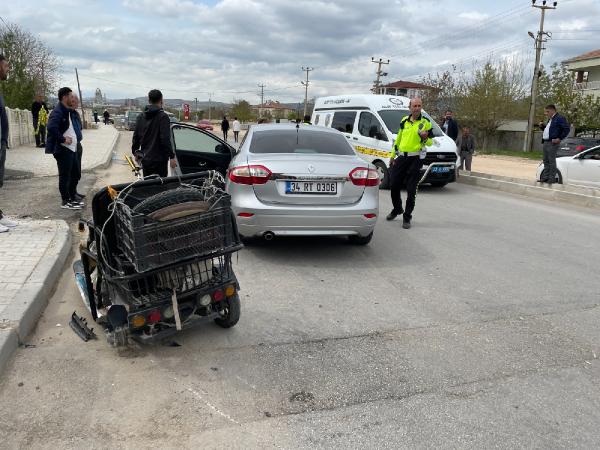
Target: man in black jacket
(553, 132)
(450, 126)
(64, 131)
(151, 144)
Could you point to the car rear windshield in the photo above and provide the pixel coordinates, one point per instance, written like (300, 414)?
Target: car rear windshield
(300, 141)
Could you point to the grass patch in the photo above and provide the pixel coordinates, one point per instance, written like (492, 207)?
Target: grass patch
(536, 155)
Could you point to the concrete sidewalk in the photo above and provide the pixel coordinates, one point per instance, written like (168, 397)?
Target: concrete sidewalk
(32, 256)
(98, 146)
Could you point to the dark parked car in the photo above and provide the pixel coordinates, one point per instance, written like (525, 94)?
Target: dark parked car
(573, 145)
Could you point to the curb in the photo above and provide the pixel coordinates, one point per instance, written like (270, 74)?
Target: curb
(106, 163)
(22, 315)
(573, 195)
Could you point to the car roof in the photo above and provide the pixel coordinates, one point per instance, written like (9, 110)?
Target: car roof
(371, 101)
(291, 127)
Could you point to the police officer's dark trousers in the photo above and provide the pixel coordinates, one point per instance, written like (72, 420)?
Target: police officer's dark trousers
(405, 171)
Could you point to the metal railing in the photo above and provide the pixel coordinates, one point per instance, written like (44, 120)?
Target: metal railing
(588, 85)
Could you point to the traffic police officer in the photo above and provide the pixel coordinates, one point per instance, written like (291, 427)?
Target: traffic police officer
(407, 158)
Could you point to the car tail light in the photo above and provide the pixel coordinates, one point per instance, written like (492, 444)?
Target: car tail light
(361, 176)
(249, 174)
(370, 216)
(154, 317)
(580, 148)
(245, 214)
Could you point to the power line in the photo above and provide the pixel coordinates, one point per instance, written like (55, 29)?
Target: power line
(501, 17)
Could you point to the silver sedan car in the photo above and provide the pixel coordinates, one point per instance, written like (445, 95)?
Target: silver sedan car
(301, 180)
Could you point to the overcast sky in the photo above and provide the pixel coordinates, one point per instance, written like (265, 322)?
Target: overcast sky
(190, 48)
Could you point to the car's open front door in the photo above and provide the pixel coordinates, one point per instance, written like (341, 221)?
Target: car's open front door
(198, 150)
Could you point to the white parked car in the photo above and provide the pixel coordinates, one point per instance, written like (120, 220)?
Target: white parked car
(582, 169)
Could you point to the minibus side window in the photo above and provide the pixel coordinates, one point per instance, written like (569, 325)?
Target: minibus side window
(344, 121)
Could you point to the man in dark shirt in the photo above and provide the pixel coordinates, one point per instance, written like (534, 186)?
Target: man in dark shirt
(38, 126)
(450, 126)
(151, 144)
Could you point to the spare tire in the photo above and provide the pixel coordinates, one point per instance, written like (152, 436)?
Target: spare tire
(168, 198)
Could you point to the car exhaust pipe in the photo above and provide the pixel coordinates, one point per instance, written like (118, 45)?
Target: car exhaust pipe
(269, 236)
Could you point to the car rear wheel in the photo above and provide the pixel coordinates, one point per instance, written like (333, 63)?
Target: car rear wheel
(557, 178)
(361, 240)
(231, 314)
(384, 175)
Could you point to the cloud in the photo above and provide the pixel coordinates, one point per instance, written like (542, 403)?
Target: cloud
(190, 48)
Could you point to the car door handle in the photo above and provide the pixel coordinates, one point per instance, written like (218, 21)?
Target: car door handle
(356, 139)
(201, 164)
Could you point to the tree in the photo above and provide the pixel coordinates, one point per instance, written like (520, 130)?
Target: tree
(488, 98)
(443, 94)
(558, 87)
(34, 67)
(242, 110)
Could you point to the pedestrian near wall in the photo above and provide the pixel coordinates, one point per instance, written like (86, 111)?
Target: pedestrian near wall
(39, 113)
(236, 126)
(225, 127)
(556, 129)
(151, 143)
(106, 116)
(61, 142)
(465, 144)
(408, 153)
(95, 116)
(5, 223)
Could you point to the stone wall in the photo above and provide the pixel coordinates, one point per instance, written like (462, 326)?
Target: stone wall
(20, 123)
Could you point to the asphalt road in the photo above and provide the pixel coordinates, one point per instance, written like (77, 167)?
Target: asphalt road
(477, 328)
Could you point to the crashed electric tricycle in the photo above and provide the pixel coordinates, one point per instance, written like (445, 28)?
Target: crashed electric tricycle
(158, 257)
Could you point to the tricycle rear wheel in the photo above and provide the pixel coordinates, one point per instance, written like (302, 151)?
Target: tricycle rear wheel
(232, 312)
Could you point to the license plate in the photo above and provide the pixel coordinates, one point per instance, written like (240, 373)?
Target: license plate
(310, 187)
(439, 169)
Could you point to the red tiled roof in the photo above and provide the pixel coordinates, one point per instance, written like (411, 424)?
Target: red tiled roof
(407, 85)
(589, 55)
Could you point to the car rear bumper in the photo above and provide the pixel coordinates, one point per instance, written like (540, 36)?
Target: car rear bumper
(306, 220)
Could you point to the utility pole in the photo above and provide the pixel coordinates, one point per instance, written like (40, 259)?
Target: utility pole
(80, 97)
(262, 98)
(305, 84)
(379, 72)
(209, 105)
(196, 107)
(539, 41)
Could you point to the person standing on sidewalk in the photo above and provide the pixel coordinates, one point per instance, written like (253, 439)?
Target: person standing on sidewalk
(106, 116)
(39, 112)
(61, 142)
(236, 129)
(225, 127)
(414, 134)
(450, 126)
(78, 126)
(466, 147)
(5, 223)
(151, 143)
(554, 132)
